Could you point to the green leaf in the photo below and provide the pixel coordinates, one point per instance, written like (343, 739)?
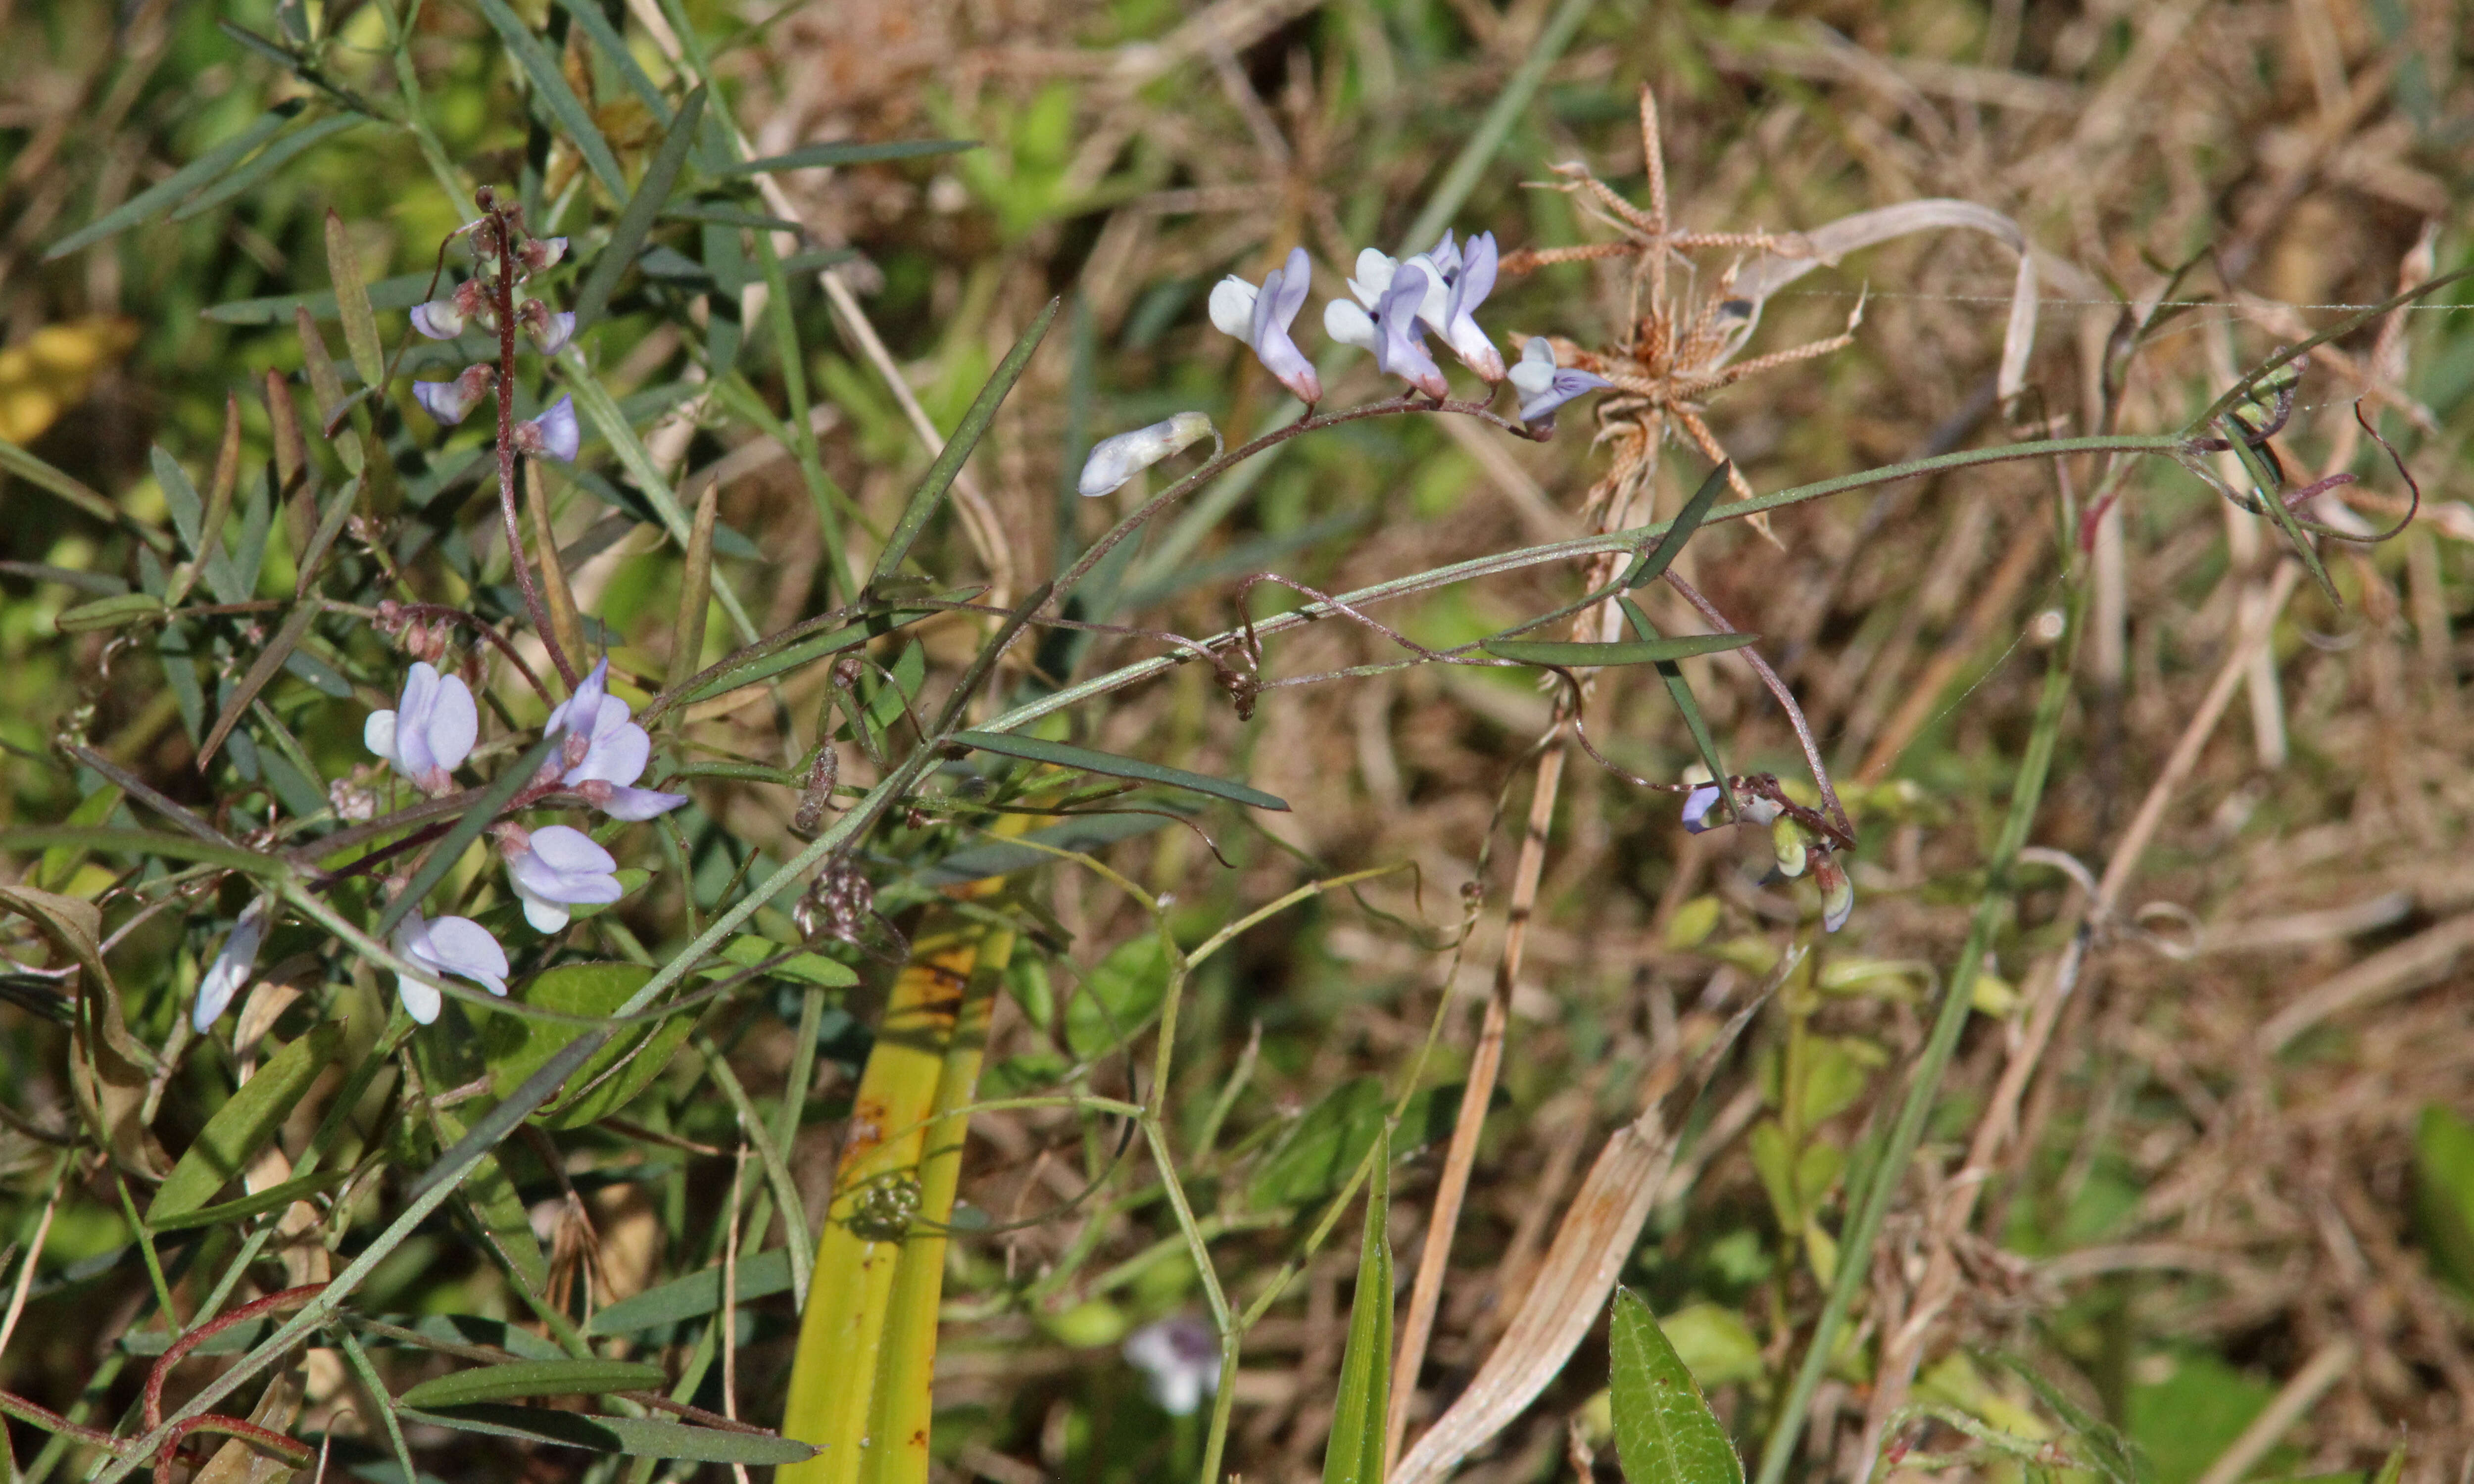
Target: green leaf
(766, 665)
(107, 612)
(516, 1047)
(401, 292)
(941, 477)
(1082, 834)
(1115, 766)
(596, 25)
(2443, 1193)
(141, 842)
(180, 497)
(1117, 996)
(698, 1294)
(175, 188)
(747, 951)
(627, 236)
(269, 160)
(261, 670)
(645, 1437)
(271, 1197)
(44, 476)
(1665, 1431)
(1355, 1455)
(353, 303)
(246, 1124)
(1654, 562)
(1324, 1149)
(844, 151)
(1680, 692)
(1575, 655)
(550, 86)
(534, 1378)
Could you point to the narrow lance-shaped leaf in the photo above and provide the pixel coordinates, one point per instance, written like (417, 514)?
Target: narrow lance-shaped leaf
(698, 1294)
(534, 1378)
(695, 588)
(1579, 654)
(173, 188)
(269, 659)
(627, 236)
(846, 152)
(241, 1208)
(77, 491)
(1063, 755)
(483, 813)
(596, 25)
(1654, 562)
(643, 1437)
(353, 303)
(542, 69)
(274, 157)
(1355, 1454)
(941, 474)
(2270, 491)
(401, 292)
(1665, 1431)
(245, 1124)
(1680, 691)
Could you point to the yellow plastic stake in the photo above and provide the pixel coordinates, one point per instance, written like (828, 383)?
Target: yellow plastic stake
(893, 1195)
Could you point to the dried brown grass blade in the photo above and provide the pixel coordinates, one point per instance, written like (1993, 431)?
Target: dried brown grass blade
(1771, 272)
(565, 625)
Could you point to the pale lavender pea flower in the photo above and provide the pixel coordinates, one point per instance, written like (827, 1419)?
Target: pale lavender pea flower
(1180, 1359)
(553, 435)
(229, 973)
(559, 867)
(1697, 805)
(447, 945)
(431, 730)
(1115, 460)
(605, 752)
(1392, 332)
(1261, 317)
(1543, 386)
(1472, 282)
(439, 319)
(549, 332)
(448, 401)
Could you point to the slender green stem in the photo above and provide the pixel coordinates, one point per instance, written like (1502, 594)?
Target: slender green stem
(803, 431)
(1855, 1243)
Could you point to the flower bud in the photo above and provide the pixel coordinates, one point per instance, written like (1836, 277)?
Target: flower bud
(1115, 460)
(1788, 839)
(540, 253)
(1837, 892)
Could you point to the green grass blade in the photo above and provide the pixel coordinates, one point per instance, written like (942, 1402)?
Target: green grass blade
(271, 1197)
(1579, 653)
(1032, 749)
(550, 84)
(401, 292)
(274, 157)
(1665, 1431)
(480, 816)
(844, 151)
(1354, 1453)
(1680, 694)
(698, 1294)
(645, 1437)
(642, 210)
(941, 474)
(176, 187)
(614, 46)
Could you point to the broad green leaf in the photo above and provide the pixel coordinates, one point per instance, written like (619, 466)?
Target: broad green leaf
(401, 292)
(1324, 1148)
(1122, 991)
(1083, 834)
(627, 236)
(245, 1124)
(271, 1197)
(698, 1294)
(1354, 1453)
(930, 494)
(175, 188)
(808, 157)
(2443, 1193)
(645, 1437)
(1665, 1431)
(1083, 758)
(108, 613)
(1655, 561)
(516, 1047)
(353, 301)
(1574, 654)
(486, 1191)
(550, 86)
(534, 1378)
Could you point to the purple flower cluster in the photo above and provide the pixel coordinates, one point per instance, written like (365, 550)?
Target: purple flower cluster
(551, 868)
(1394, 306)
(554, 434)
